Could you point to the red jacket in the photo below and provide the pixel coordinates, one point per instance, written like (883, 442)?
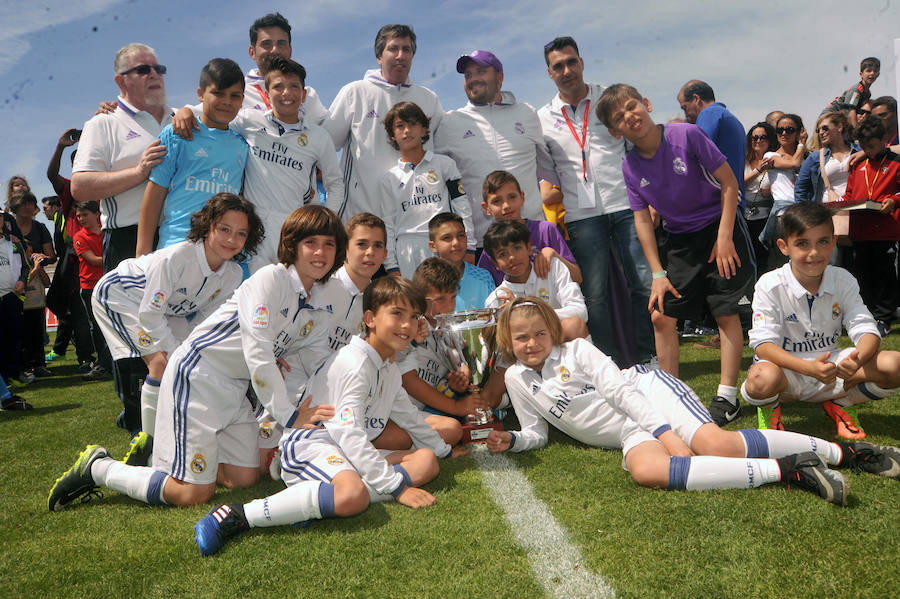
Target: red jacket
(882, 176)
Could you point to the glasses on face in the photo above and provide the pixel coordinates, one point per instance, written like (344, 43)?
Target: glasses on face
(763, 137)
(862, 112)
(144, 69)
(824, 129)
(783, 130)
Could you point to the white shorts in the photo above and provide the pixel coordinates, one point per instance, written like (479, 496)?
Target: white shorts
(304, 458)
(672, 398)
(203, 419)
(115, 304)
(806, 388)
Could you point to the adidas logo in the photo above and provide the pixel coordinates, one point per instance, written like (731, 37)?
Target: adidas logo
(372, 114)
(468, 134)
(181, 290)
(535, 388)
(284, 311)
(201, 153)
(644, 182)
(792, 318)
(743, 301)
(132, 135)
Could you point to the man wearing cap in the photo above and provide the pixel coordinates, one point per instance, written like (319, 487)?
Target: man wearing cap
(493, 132)
(355, 118)
(271, 34)
(587, 169)
(115, 155)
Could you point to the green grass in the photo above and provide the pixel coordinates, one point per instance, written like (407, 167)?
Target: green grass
(763, 543)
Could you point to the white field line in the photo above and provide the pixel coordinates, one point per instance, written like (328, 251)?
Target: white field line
(555, 561)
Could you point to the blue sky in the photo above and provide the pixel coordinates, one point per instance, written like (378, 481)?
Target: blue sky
(56, 56)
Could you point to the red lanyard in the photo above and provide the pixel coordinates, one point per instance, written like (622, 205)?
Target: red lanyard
(265, 96)
(581, 142)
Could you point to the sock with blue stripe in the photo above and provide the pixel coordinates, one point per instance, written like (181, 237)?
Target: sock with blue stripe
(778, 444)
(138, 482)
(149, 399)
(305, 500)
(863, 392)
(702, 473)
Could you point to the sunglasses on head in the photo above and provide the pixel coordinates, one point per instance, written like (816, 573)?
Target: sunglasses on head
(144, 69)
(788, 130)
(760, 137)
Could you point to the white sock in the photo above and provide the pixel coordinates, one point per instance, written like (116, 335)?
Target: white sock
(779, 444)
(702, 473)
(138, 482)
(768, 402)
(149, 399)
(729, 393)
(297, 503)
(863, 392)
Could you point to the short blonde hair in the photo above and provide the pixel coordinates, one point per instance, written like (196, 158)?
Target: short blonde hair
(526, 306)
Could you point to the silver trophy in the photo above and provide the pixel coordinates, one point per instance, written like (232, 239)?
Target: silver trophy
(467, 337)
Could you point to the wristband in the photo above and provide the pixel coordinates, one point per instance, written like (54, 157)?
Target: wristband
(661, 274)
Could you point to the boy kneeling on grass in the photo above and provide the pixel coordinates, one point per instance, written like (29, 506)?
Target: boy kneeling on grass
(798, 313)
(335, 470)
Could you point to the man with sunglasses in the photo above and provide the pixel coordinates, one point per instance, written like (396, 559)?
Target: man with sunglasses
(116, 153)
(885, 108)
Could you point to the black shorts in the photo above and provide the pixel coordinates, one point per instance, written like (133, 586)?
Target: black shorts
(685, 256)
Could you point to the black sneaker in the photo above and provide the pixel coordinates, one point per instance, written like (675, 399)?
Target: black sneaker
(77, 481)
(16, 403)
(807, 471)
(141, 451)
(723, 411)
(876, 459)
(41, 372)
(218, 526)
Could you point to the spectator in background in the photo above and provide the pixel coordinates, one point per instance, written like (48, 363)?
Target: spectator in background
(63, 297)
(823, 175)
(853, 99)
(885, 108)
(760, 140)
(773, 117)
(786, 162)
(13, 276)
(38, 252)
(88, 247)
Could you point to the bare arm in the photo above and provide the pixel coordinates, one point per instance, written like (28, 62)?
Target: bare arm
(96, 185)
(65, 140)
(723, 252)
(151, 208)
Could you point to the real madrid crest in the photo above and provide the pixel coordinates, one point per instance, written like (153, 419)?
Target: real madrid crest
(302, 140)
(144, 339)
(835, 311)
(564, 374)
(198, 464)
(306, 329)
(431, 177)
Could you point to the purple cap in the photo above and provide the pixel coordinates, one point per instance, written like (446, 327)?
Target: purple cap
(479, 57)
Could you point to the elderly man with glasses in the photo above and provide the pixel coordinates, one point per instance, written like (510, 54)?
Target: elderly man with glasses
(116, 153)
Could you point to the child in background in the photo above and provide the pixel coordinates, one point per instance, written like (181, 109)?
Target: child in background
(508, 244)
(798, 313)
(192, 171)
(421, 185)
(448, 239)
(503, 200)
(335, 471)
(668, 439)
(88, 248)
(853, 99)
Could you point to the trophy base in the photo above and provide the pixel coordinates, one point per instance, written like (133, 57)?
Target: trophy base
(478, 433)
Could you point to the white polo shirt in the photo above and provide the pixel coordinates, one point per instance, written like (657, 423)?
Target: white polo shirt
(112, 142)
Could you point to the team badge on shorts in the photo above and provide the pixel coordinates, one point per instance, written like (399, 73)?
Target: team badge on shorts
(346, 417)
(431, 177)
(544, 295)
(265, 430)
(198, 464)
(564, 374)
(306, 328)
(679, 166)
(835, 311)
(334, 460)
(302, 140)
(758, 320)
(158, 299)
(144, 339)
(260, 318)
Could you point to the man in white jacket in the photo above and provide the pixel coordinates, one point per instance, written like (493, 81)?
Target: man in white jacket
(355, 118)
(493, 132)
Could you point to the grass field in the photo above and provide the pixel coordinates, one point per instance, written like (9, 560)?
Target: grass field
(767, 542)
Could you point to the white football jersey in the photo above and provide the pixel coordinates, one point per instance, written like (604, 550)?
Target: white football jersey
(341, 297)
(256, 98)
(558, 290)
